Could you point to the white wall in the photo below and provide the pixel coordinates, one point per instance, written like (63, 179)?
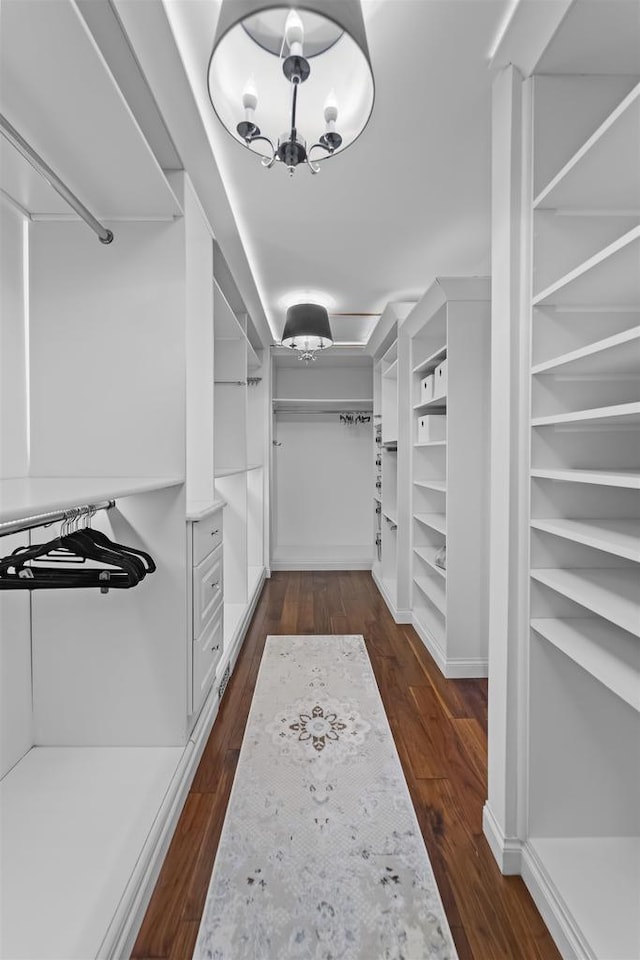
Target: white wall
(15, 645)
(323, 484)
(13, 383)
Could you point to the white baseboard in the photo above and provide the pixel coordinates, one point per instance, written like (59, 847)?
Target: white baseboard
(553, 909)
(123, 930)
(399, 616)
(451, 668)
(507, 851)
(321, 564)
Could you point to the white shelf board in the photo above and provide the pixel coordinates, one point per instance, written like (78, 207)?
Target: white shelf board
(629, 413)
(22, 497)
(390, 445)
(429, 364)
(391, 371)
(619, 537)
(627, 477)
(390, 354)
(322, 404)
(74, 822)
(427, 554)
(199, 509)
(424, 584)
(604, 171)
(611, 277)
(598, 880)
(611, 356)
(434, 403)
(608, 654)
(612, 593)
(439, 485)
(431, 443)
(437, 521)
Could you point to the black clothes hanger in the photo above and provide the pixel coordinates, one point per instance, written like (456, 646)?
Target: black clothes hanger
(56, 564)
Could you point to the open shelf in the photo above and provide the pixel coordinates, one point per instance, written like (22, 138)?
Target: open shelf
(391, 371)
(70, 808)
(613, 147)
(610, 277)
(611, 593)
(322, 404)
(619, 537)
(598, 881)
(430, 590)
(439, 485)
(23, 497)
(628, 478)
(436, 521)
(436, 403)
(604, 416)
(608, 654)
(434, 360)
(431, 443)
(612, 356)
(427, 554)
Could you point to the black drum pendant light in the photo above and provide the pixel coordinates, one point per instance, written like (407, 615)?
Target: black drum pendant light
(292, 82)
(307, 329)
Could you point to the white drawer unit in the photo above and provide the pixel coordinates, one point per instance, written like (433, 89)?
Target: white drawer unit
(207, 650)
(207, 535)
(207, 590)
(206, 607)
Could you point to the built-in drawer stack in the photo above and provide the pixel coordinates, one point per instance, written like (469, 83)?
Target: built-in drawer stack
(207, 627)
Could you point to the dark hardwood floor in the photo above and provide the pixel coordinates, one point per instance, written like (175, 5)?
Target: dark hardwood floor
(440, 730)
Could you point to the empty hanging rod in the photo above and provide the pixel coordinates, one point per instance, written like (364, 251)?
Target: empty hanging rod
(36, 161)
(44, 519)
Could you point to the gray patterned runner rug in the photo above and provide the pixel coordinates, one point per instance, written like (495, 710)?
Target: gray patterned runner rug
(321, 856)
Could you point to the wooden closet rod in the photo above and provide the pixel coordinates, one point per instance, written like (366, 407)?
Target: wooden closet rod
(44, 519)
(38, 164)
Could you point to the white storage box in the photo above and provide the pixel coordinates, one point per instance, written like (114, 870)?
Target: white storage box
(426, 388)
(432, 427)
(440, 380)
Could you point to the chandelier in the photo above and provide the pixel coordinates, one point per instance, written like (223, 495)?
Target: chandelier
(306, 330)
(302, 68)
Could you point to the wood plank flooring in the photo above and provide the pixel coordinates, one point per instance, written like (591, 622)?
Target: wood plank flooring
(440, 730)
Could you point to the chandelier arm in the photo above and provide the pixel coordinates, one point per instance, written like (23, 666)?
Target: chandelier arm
(267, 162)
(315, 167)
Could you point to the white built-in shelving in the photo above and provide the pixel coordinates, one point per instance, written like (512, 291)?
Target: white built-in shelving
(583, 654)
(449, 473)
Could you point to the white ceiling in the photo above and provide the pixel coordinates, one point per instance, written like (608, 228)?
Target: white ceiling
(409, 201)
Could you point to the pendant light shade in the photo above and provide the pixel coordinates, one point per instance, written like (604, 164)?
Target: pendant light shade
(307, 329)
(292, 81)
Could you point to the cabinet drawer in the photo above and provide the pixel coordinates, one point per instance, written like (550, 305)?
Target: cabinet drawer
(207, 535)
(207, 650)
(207, 590)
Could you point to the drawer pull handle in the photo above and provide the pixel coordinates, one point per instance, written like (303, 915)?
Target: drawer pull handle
(213, 532)
(215, 584)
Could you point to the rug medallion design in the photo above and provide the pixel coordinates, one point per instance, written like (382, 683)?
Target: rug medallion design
(321, 856)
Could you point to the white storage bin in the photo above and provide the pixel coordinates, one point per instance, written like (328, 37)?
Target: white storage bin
(432, 427)
(440, 380)
(426, 388)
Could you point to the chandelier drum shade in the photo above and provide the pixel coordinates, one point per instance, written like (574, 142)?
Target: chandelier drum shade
(293, 83)
(307, 329)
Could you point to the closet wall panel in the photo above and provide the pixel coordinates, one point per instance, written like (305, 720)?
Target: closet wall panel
(14, 454)
(108, 344)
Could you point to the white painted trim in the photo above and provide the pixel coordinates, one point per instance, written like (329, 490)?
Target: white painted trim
(553, 909)
(507, 852)
(400, 616)
(125, 925)
(321, 564)
(452, 669)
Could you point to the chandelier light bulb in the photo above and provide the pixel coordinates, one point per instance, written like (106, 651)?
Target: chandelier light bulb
(294, 33)
(331, 112)
(250, 99)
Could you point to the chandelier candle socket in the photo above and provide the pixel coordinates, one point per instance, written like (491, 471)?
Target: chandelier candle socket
(305, 70)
